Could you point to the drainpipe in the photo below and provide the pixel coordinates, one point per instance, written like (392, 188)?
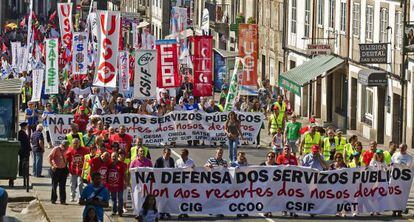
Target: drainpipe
(402, 116)
(284, 30)
(348, 40)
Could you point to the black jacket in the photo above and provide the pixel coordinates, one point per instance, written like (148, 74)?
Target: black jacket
(159, 163)
(25, 147)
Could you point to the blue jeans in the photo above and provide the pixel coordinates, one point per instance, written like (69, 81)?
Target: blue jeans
(37, 163)
(117, 202)
(233, 149)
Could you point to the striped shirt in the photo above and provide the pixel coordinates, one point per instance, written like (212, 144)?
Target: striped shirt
(216, 162)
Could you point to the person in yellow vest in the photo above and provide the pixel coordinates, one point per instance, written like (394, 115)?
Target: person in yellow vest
(350, 148)
(356, 160)
(310, 138)
(222, 103)
(74, 133)
(275, 122)
(86, 167)
(134, 151)
(340, 141)
(329, 145)
(281, 107)
(26, 94)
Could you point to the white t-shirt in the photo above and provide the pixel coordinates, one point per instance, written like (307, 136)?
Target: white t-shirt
(180, 163)
(404, 159)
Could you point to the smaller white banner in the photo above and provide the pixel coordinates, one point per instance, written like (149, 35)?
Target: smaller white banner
(37, 77)
(80, 53)
(123, 71)
(145, 79)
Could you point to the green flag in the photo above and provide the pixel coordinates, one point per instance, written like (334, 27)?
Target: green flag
(234, 87)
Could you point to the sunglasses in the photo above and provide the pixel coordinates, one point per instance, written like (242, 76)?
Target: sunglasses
(271, 156)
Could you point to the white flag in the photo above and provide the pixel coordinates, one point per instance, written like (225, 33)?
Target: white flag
(145, 77)
(15, 53)
(123, 71)
(108, 41)
(80, 53)
(65, 23)
(52, 67)
(37, 77)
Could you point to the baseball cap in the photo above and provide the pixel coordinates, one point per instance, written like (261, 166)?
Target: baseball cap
(379, 151)
(23, 124)
(80, 96)
(191, 97)
(128, 100)
(315, 148)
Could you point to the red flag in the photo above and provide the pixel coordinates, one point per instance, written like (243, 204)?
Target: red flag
(23, 22)
(4, 47)
(203, 65)
(53, 17)
(167, 64)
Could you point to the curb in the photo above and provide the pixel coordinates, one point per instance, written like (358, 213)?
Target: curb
(42, 208)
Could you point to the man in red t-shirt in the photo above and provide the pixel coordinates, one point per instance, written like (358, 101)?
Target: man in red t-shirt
(82, 119)
(286, 158)
(100, 165)
(117, 183)
(75, 157)
(368, 154)
(124, 140)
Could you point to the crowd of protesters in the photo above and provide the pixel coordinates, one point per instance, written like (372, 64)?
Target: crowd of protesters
(96, 158)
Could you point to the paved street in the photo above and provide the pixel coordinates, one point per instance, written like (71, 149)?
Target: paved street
(73, 212)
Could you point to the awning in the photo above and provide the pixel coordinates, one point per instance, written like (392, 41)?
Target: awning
(10, 86)
(225, 53)
(296, 78)
(370, 77)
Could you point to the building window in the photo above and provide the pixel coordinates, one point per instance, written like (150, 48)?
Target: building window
(343, 16)
(331, 14)
(293, 19)
(356, 19)
(307, 17)
(383, 25)
(369, 101)
(320, 12)
(369, 22)
(398, 29)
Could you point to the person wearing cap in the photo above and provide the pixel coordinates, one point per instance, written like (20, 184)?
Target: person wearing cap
(59, 171)
(74, 134)
(356, 160)
(128, 108)
(315, 159)
(369, 154)
(292, 133)
(310, 139)
(89, 137)
(24, 152)
(224, 91)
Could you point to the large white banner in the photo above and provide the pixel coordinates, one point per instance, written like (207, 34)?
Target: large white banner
(172, 127)
(205, 22)
(80, 53)
(108, 41)
(256, 189)
(15, 53)
(145, 79)
(65, 23)
(123, 71)
(52, 67)
(37, 78)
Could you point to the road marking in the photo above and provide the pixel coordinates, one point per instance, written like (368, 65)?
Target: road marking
(267, 219)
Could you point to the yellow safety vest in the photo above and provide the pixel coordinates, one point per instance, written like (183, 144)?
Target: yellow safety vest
(349, 150)
(340, 144)
(327, 147)
(309, 142)
(281, 109)
(86, 167)
(275, 123)
(352, 164)
(70, 139)
(24, 93)
(220, 107)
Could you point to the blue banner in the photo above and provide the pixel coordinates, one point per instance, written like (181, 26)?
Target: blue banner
(220, 71)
